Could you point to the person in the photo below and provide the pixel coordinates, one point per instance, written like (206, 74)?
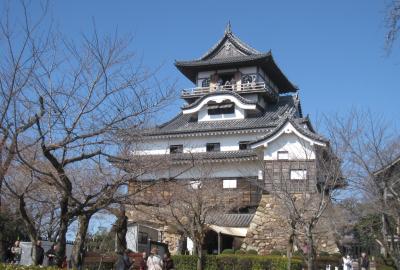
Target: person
(123, 261)
(168, 262)
(347, 263)
(51, 255)
(364, 261)
(16, 252)
(39, 253)
(142, 262)
(154, 261)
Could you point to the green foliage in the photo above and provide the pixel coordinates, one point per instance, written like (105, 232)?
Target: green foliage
(12, 227)
(252, 252)
(102, 241)
(297, 253)
(235, 262)
(367, 230)
(383, 262)
(332, 260)
(277, 252)
(228, 251)
(240, 252)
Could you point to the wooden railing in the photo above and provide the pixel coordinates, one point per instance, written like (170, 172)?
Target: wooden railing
(248, 87)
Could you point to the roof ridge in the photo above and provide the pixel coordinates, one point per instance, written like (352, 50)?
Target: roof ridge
(228, 34)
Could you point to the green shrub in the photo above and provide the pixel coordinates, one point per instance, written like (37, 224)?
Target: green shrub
(252, 252)
(276, 252)
(228, 251)
(185, 262)
(240, 252)
(235, 262)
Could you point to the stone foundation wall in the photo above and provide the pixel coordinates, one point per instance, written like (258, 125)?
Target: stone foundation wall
(269, 230)
(174, 242)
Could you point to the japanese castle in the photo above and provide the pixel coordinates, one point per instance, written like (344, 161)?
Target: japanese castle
(241, 112)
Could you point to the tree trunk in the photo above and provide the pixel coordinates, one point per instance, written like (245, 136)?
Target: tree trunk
(121, 227)
(199, 257)
(29, 226)
(290, 246)
(310, 250)
(78, 251)
(62, 235)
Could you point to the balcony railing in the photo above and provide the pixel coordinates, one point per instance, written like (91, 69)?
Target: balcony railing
(248, 87)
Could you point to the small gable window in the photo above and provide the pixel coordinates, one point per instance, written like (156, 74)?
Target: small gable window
(213, 147)
(176, 149)
(225, 107)
(283, 155)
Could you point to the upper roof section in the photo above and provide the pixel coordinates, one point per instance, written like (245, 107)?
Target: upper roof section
(231, 52)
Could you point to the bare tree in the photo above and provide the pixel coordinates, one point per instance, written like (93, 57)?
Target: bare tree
(187, 207)
(392, 23)
(23, 45)
(371, 147)
(33, 200)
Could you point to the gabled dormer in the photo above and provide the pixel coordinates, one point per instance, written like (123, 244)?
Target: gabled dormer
(232, 65)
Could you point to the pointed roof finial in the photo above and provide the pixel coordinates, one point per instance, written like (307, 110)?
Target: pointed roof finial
(228, 29)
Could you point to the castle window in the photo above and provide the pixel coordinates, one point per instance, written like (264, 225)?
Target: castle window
(283, 155)
(195, 184)
(213, 147)
(143, 237)
(225, 107)
(244, 145)
(176, 149)
(298, 174)
(231, 183)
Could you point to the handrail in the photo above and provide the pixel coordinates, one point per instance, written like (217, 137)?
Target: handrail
(236, 87)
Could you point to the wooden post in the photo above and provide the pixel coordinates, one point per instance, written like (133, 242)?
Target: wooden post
(219, 243)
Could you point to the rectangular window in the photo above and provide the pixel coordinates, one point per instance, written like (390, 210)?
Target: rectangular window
(244, 145)
(176, 149)
(223, 108)
(213, 147)
(231, 183)
(298, 174)
(143, 237)
(196, 184)
(283, 155)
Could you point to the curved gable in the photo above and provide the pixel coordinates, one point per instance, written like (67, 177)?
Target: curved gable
(219, 98)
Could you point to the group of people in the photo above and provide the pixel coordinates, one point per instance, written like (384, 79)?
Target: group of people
(348, 262)
(152, 262)
(51, 254)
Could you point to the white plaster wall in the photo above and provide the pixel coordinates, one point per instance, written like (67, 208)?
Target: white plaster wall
(131, 238)
(297, 147)
(194, 144)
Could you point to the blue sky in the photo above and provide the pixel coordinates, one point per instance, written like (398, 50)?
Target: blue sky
(333, 50)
